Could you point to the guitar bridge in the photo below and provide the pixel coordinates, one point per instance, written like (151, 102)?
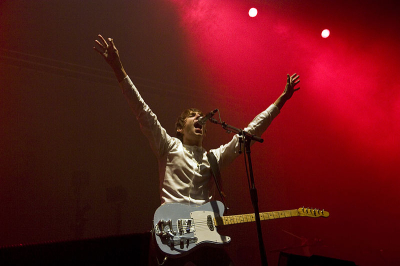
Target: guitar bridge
(164, 229)
(182, 242)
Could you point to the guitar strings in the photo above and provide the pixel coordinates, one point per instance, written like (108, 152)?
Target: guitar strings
(235, 219)
(238, 219)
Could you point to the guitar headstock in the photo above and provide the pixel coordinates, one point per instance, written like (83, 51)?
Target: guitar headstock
(311, 212)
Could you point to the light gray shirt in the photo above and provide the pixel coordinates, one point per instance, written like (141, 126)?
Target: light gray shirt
(184, 171)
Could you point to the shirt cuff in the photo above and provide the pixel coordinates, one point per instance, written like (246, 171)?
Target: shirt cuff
(273, 110)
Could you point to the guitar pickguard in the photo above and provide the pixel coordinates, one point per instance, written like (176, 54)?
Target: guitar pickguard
(205, 228)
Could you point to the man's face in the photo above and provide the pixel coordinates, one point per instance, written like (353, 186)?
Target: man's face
(192, 131)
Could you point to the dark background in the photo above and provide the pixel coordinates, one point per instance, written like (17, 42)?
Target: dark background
(75, 165)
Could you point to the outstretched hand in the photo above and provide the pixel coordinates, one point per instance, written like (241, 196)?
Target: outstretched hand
(291, 82)
(110, 53)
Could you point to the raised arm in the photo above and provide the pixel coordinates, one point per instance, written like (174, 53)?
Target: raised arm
(227, 153)
(291, 82)
(110, 53)
(149, 124)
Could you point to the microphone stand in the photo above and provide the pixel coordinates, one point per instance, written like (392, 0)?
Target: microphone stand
(253, 191)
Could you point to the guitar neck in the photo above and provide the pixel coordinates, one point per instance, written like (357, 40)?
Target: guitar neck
(246, 218)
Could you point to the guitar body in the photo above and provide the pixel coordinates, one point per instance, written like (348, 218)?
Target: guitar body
(182, 228)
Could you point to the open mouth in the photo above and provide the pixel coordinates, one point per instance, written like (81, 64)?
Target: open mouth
(197, 126)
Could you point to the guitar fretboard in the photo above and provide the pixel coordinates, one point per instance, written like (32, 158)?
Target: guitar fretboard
(246, 218)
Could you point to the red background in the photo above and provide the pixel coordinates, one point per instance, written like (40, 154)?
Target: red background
(75, 165)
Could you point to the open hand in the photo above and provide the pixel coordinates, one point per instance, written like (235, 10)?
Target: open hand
(291, 82)
(109, 52)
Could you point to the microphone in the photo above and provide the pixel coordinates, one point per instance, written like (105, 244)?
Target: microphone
(202, 120)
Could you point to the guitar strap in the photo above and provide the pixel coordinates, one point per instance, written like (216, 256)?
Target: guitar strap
(217, 175)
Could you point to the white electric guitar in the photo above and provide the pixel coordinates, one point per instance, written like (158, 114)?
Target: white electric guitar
(182, 228)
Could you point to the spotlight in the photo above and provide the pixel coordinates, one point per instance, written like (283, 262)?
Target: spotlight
(253, 12)
(325, 33)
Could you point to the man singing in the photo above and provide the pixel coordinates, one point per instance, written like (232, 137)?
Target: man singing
(184, 169)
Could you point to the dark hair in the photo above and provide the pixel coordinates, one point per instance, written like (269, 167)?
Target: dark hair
(181, 121)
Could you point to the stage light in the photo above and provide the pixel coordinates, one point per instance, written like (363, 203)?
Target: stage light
(325, 33)
(253, 12)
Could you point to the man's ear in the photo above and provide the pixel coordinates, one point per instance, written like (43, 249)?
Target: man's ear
(179, 130)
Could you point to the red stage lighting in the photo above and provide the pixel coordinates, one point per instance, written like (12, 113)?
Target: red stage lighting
(325, 33)
(253, 12)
